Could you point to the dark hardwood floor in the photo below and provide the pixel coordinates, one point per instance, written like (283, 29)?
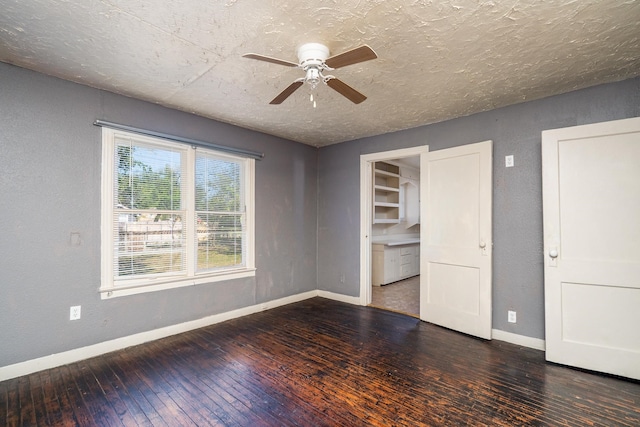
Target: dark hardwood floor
(316, 363)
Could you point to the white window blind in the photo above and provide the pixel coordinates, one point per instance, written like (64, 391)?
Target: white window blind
(149, 224)
(220, 212)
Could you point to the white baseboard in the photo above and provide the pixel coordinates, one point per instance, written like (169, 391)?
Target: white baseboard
(70, 356)
(535, 343)
(339, 297)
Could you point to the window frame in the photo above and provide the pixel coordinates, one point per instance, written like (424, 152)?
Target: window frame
(109, 286)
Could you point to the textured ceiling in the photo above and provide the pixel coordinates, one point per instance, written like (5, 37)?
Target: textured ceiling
(438, 59)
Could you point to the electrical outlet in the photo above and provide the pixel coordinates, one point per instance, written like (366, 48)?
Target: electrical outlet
(511, 316)
(74, 312)
(508, 161)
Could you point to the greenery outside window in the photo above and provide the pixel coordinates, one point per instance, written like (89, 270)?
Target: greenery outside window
(173, 215)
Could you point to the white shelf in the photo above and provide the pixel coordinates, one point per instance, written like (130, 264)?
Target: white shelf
(386, 186)
(385, 173)
(386, 205)
(386, 221)
(383, 188)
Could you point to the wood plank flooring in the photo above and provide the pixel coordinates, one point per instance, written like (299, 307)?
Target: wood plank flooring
(319, 363)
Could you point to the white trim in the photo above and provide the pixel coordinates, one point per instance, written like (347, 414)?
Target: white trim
(139, 287)
(188, 199)
(535, 343)
(70, 356)
(366, 178)
(339, 297)
(394, 154)
(106, 206)
(250, 217)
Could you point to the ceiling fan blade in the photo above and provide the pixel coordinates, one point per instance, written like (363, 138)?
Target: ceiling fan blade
(345, 90)
(269, 59)
(353, 56)
(285, 93)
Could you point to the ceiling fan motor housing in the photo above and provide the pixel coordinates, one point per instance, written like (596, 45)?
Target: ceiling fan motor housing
(312, 54)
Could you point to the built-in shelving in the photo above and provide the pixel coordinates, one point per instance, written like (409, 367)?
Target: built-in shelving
(386, 193)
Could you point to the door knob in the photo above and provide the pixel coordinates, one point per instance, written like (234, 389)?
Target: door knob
(483, 248)
(553, 253)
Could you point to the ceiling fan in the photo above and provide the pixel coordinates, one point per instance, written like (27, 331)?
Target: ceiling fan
(314, 60)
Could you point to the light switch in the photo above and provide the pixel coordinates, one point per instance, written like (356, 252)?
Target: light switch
(508, 161)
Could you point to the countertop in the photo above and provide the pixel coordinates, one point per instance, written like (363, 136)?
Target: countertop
(396, 241)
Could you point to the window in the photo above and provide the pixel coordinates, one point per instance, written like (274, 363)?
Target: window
(173, 215)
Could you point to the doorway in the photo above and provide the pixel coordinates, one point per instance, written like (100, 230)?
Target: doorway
(395, 235)
(401, 295)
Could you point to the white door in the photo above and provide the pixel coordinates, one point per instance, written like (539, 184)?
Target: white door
(591, 207)
(455, 269)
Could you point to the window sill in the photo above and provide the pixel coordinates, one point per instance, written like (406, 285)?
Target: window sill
(140, 287)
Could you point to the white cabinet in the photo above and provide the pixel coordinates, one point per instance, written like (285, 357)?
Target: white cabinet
(408, 265)
(386, 193)
(393, 263)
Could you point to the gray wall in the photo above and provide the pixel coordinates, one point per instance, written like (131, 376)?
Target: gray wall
(517, 192)
(50, 187)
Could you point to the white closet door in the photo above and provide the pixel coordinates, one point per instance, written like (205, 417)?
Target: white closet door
(455, 279)
(591, 199)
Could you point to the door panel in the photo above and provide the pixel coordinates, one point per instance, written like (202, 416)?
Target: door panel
(459, 291)
(594, 178)
(455, 281)
(591, 195)
(588, 319)
(456, 211)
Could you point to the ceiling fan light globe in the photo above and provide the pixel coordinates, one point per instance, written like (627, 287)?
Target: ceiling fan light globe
(313, 77)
